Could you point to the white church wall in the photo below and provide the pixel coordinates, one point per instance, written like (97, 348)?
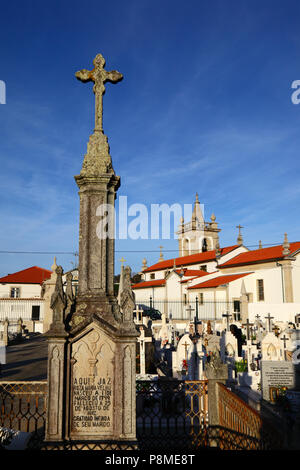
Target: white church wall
(174, 288)
(271, 275)
(296, 278)
(232, 254)
(281, 311)
(142, 295)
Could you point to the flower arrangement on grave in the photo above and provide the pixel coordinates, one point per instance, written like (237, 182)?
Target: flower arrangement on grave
(184, 364)
(282, 400)
(241, 366)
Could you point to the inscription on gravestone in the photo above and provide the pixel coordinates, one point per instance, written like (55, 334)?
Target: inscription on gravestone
(276, 374)
(93, 385)
(92, 402)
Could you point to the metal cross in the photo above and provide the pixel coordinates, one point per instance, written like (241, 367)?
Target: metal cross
(269, 318)
(248, 324)
(227, 316)
(285, 339)
(190, 310)
(122, 261)
(99, 76)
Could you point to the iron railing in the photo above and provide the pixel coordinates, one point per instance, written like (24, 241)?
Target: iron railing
(178, 310)
(241, 427)
(171, 414)
(23, 408)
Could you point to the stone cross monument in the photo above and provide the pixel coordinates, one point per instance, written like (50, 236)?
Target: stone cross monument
(98, 391)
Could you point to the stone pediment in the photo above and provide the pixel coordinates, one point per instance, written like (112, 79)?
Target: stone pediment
(88, 322)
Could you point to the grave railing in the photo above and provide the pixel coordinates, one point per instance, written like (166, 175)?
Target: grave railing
(171, 414)
(23, 408)
(242, 427)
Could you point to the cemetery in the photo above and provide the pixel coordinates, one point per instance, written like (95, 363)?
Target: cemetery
(119, 378)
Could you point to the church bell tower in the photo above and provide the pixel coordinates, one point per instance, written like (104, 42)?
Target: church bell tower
(197, 235)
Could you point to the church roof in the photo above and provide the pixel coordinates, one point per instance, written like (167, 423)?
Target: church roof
(191, 272)
(189, 259)
(33, 275)
(262, 255)
(218, 281)
(146, 284)
(197, 277)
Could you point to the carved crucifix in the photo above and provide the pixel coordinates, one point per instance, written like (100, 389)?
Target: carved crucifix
(186, 345)
(99, 76)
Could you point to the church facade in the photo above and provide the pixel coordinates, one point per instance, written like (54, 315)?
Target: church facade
(234, 279)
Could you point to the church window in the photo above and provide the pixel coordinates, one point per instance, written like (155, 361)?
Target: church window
(204, 245)
(152, 276)
(201, 298)
(203, 267)
(260, 290)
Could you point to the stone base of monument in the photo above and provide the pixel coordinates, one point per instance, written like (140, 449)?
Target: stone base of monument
(90, 445)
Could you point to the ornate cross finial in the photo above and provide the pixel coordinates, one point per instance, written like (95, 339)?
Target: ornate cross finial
(285, 246)
(99, 76)
(240, 238)
(122, 261)
(161, 256)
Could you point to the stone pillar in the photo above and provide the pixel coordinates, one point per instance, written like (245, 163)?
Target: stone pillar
(20, 324)
(215, 372)
(48, 288)
(5, 332)
(56, 337)
(287, 280)
(244, 303)
(96, 253)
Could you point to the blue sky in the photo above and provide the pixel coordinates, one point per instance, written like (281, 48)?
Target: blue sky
(205, 106)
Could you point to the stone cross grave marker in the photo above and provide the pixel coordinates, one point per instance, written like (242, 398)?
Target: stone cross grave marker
(92, 349)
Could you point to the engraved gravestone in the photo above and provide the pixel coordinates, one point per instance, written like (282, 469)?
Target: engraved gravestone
(276, 374)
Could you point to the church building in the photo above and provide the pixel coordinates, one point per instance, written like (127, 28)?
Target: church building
(216, 280)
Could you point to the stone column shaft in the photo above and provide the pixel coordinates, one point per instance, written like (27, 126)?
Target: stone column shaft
(55, 401)
(96, 254)
(287, 280)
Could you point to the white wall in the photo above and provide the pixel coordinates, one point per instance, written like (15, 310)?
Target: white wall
(281, 312)
(27, 291)
(15, 309)
(269, 272)
(296, 278)
(157, 293)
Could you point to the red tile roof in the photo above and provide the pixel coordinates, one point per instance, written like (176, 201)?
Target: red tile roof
(190, 259)
(33, 275)
(190, 278)
(191, 272)
(218, 281)
(263, 255)
(146, 284)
